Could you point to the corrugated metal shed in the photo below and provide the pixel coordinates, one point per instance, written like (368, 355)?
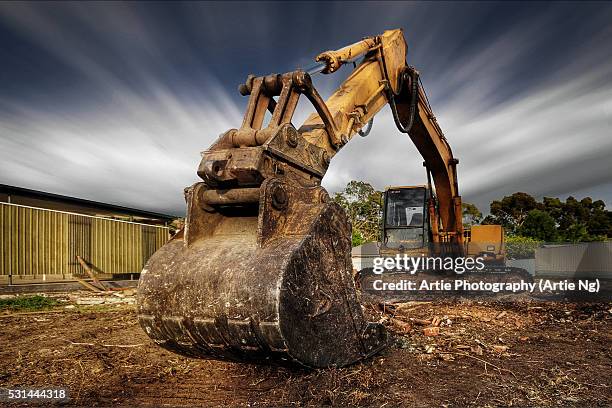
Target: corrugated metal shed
(588, 259)
(41, 244)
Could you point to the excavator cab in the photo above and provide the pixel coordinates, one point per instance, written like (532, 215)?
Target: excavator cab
(405, 218)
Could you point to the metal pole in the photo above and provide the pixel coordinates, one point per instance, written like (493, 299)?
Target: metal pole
(315, 69)
(320, 66)
(10, 242)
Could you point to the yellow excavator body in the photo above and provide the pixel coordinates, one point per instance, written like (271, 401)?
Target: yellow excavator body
(487, 241)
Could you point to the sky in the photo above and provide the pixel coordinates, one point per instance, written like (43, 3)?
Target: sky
(114, 102)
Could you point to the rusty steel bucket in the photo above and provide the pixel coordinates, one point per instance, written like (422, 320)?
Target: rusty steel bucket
(269, 282)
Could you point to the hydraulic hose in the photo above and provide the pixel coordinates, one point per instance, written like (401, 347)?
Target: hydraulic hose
(412, 74)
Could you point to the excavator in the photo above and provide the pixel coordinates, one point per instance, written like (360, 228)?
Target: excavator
(261, 271)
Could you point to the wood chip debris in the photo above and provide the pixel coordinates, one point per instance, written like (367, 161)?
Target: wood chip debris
(431, 331)
(500, 349)
(476, 350)
(400, 326)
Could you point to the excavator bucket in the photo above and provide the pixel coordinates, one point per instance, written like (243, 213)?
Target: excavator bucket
(269, 281)
(262, 271)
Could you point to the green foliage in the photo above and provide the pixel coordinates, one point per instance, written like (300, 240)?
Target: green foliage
(363, 205)
(511, 211)
(519, 247)
(489, 220)
(584, 220)
(471, 214)
(539, 225)
(357, 238)
(27, 303)
(576, 233)
(552, 219)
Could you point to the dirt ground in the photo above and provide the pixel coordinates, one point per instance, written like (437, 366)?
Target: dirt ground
(486, 354)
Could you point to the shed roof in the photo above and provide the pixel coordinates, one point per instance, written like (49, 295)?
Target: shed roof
(44, 199)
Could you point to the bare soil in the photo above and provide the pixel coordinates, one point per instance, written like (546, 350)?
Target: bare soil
(486, 354)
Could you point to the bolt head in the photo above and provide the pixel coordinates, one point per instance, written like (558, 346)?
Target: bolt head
(280, 198)
(324, 196)
(325, 159)
(291, 136)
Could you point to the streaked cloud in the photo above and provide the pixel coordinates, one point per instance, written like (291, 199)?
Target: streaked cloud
(114, 102)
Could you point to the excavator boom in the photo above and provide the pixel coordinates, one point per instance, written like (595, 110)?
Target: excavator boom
(262, 270)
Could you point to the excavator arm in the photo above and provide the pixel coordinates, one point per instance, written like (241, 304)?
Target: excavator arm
(262, 271)
(383, 77)
(439, 161)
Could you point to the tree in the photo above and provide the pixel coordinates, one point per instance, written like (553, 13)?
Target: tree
(554, 207)
(580, 220)
(471, 214)
(490, 220)
(574, 220)
(539, 225)
(599, 224)
(363, 205)
(576, 233)
(512, 210)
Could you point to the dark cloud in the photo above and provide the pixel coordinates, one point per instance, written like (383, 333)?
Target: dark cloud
(114, 102)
